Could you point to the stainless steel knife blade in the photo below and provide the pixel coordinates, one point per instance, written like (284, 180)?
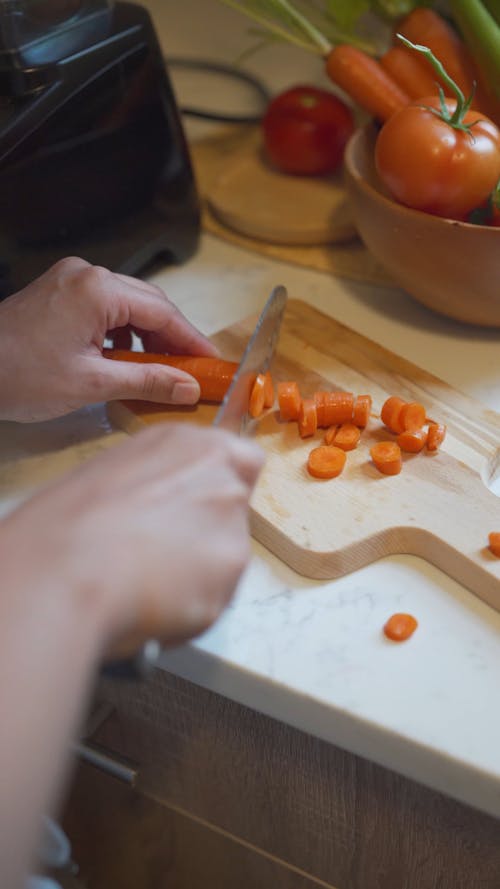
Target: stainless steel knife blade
(233, 412)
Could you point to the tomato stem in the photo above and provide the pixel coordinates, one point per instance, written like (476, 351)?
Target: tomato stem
(455, 118)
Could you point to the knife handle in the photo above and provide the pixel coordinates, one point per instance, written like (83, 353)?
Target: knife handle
(137, 667)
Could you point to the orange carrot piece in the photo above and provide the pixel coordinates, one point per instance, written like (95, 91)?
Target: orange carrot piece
(430, 29)
(386, 456)
(407, 68)
(268, 390)
(494, 542)
(361, 411)
(412, 441)
(391, 412)
(289, 400)
(412, 416)
(308, 419)
(214, 375)
(330, 434)
(400, 627)
(365, 81)
(334, 407)
(257, 396)
(326, 461)
(347, 436)
(435, 436)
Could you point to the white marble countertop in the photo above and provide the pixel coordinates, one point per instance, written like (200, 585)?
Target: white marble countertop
(312, 653)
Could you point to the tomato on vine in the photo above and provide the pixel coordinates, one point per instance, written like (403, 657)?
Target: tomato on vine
(437, 155)
(305, 131)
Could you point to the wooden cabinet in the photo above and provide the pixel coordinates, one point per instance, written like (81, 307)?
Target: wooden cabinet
(227, 797)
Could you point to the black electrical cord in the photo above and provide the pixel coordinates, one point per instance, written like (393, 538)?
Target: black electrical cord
(226, 71)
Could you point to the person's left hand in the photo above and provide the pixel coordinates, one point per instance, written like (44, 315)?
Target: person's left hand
(52, 334)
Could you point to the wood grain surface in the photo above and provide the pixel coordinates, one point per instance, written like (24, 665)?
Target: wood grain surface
(438, 508)
(251, 197)
(320, 811)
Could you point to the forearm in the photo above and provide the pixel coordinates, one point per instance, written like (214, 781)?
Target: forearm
(50, 640)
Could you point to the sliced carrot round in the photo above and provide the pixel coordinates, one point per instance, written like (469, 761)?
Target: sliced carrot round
(326, 461)
(435, 436)
(362, 410)
(386, 456)
(390, 413)
(347, 436)
(308, 420)
(330, 434)
(257, 396)
(412, 442)
(494, 542)
(400, 627)
(289, 400)
(268, 390)
(412, 416)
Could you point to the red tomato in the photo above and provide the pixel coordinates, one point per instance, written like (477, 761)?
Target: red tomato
(305, 131)
(428, 165)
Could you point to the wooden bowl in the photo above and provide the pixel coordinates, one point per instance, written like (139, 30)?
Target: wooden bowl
(451, 267)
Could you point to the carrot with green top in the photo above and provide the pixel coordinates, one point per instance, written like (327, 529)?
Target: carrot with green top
(365, 81)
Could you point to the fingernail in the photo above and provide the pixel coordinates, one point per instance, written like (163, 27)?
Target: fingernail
(186, 393)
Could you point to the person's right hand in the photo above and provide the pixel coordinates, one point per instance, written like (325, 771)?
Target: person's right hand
(152, 534)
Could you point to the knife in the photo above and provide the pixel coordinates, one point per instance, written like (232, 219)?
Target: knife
(233, 415)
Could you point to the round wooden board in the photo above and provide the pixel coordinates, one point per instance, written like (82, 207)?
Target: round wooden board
(252, 198)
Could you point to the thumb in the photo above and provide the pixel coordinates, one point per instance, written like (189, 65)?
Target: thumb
(146, 382)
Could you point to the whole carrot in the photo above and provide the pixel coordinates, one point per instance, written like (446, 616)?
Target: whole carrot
(411, 72)
(428, 28)
(365, 81)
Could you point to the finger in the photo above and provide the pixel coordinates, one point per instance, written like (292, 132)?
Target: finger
(146, 382)
(246, 457)
(149, 309)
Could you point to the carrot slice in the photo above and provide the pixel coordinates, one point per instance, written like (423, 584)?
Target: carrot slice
(365, 81)
(334, 407)
(330, 434)
(257, 396)
(412, 416)
(289, 400)
(347, 437)
(494, 542)
(435, 436)
(326, 461)
(412, 442)
(362, 409)
(391, 412)
(400, 627)
(308, 419)
(268, 390)
(214, 375)
(386, 456)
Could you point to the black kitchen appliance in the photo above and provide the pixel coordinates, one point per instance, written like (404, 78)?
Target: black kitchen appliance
(93, 159)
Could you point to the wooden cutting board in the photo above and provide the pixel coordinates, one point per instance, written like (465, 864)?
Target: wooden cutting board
(438, 508)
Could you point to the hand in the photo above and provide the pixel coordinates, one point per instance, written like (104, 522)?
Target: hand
(152, 534)
(52, 334)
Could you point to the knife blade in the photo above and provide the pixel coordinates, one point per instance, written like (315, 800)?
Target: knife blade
(233, 413)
